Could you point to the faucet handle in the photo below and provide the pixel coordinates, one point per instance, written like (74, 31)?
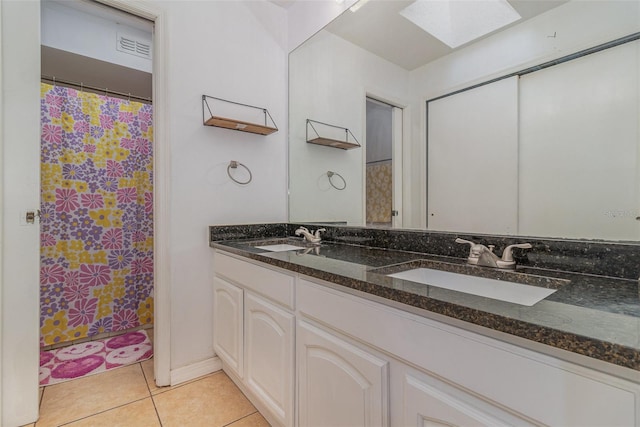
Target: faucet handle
(468, 242)
(475, 250)
(300, 230)
(507, 255)
(318, 231)
(459, 240)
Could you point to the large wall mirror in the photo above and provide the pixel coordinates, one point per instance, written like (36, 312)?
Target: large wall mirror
(476, 138)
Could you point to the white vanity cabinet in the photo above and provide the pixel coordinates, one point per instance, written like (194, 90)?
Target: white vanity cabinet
(333, 358)
(339, 384)
(254, 333)
(444, 375)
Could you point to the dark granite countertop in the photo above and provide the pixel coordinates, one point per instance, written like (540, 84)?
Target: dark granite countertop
(592, 315)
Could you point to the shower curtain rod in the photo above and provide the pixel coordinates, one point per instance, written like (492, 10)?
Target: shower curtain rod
(106, 91)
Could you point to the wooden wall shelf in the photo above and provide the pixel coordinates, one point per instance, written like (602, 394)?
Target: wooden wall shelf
(333, 143)
(223, 122)
(234, 124)
(344, 144)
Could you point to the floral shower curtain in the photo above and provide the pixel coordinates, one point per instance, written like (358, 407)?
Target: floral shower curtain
(96, 223)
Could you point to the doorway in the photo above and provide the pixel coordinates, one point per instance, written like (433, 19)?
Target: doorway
(21, 73)
(383, 164)
(97, 166)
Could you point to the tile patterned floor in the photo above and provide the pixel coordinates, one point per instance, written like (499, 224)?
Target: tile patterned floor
(128, 397)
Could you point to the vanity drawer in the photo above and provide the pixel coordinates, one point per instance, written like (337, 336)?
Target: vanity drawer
(266, 281)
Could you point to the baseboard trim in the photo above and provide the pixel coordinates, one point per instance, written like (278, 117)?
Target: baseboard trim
(195, 370)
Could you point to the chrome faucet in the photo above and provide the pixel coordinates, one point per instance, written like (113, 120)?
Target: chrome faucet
(309, 236)
(483, 255)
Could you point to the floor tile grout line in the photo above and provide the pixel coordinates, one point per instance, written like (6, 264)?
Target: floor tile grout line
(41, 397)
(146, 381)
(241, 418)
(153, 402)
(101, 412)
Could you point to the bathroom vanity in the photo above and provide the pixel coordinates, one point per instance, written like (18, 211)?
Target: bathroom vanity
(330, 334)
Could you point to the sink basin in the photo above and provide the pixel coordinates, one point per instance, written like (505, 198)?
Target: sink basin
(502, 290)
(281, 247)
(279, 244)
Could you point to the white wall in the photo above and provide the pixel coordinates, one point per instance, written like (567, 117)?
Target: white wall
(20, 141)
(67, 25)
(577, 25)
(307, 17)
(332, 80)
(232, 49)
(236, 51)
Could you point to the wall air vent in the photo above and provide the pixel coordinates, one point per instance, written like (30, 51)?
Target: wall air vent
(133, 46)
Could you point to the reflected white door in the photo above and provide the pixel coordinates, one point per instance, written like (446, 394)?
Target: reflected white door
(472, 170)
(579, 153)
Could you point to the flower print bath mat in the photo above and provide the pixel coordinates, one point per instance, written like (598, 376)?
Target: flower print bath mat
(93, 357)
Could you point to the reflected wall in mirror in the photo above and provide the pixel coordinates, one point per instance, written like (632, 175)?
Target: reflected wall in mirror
(560, 170)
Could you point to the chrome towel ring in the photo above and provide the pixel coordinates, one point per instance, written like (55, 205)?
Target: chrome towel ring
(234, 165)
(331, 174)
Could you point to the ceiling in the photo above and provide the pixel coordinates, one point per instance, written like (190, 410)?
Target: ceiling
(92, 72)
(378, 28)
(283, 3)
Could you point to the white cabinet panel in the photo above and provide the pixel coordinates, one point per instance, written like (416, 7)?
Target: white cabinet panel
(339, 383)
(269, 355)
(272, 284)
(425, 401)
(228, 324)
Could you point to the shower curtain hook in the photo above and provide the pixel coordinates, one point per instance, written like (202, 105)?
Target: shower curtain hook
(129, 96)
(106, 91)
(54, 81)
(81, 87)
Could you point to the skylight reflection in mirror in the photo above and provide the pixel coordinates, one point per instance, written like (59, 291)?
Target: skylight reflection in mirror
(456, 22)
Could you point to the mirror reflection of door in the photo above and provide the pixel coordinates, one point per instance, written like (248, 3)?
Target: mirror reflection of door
(383, 189)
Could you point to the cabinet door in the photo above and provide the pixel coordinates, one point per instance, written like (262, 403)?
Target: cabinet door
(426, 401)
(227, 324)
(269, 355)
(339, 383)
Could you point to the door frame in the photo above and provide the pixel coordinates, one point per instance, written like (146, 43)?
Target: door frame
(400, 123)
(1, 210)
(161, 187)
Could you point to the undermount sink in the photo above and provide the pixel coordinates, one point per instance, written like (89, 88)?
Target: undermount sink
(489, 283)
(282, 247)
(480, 286)
(282, 244)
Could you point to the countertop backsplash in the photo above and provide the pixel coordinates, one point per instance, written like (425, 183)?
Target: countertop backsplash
(610, 259)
